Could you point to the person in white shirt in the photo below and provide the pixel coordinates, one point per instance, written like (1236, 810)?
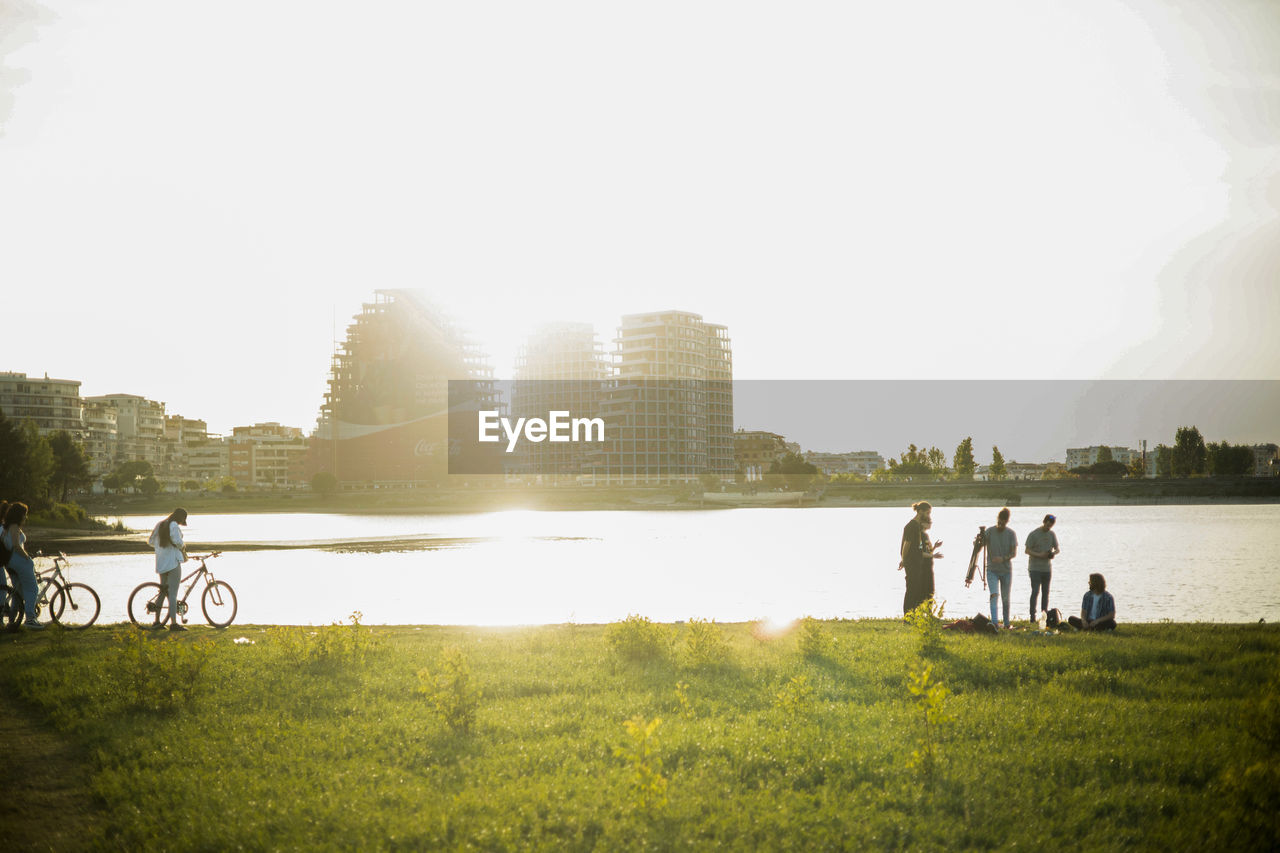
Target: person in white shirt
(171, 551)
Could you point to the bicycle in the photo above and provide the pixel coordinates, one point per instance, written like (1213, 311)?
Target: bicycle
(71, 605)
(149, 603)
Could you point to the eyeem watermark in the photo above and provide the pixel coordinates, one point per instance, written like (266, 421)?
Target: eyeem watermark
(560, 427)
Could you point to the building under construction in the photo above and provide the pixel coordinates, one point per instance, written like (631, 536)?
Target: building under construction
(403, 368)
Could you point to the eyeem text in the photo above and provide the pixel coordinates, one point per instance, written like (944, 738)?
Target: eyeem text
(560, 427)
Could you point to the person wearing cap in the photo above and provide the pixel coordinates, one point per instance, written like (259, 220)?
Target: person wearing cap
(171, 551)
(1041, 548)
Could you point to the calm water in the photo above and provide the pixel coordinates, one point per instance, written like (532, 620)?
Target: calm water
(1206, 563)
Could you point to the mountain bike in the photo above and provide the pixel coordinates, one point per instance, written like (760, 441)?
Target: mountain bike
(149, 604)
(71, 605)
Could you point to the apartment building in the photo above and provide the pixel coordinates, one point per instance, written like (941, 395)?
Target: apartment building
(267, 455)
(1266, 460)
(669, 407)
(139, 434)
(560, 367)
(1079, 457)
(52, 404)
(864, 462)
(755, 451)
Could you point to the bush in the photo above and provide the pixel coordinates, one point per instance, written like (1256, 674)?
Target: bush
(638, 639)
(816, 642)
(704, 645)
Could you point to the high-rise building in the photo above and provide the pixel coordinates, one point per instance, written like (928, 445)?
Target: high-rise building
(560, 367)
(384, 420)
(669, 407)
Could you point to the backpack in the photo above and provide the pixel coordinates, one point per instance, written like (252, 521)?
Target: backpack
(1053, 618)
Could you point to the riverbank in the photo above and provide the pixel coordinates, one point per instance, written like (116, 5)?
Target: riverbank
(350, 737)
(1024, 493)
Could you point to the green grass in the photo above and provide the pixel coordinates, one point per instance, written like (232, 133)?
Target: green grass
(1157, 737)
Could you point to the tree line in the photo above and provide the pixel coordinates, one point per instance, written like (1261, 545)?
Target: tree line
(40, 470)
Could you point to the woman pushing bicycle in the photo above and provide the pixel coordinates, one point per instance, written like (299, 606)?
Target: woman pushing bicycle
(171, 551)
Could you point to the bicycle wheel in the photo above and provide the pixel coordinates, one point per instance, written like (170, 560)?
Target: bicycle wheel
(219, 604)
(11, 608)
(44, 604)
(75, 605)
(147, 608)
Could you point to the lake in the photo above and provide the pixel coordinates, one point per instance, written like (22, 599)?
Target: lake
(1185, 563)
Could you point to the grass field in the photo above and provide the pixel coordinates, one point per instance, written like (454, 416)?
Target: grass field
(830, 735)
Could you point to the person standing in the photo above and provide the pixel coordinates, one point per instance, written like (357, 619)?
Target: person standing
(20, 562)
(917, 554)
(1042, 547)
(171, 551)
(1002, 546)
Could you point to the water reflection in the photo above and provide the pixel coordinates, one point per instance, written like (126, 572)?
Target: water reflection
(523, 567)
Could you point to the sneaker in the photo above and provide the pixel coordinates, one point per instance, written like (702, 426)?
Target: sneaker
(176, 627)
(34, 625)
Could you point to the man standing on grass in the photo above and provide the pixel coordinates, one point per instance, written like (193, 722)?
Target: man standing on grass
(1002, 547)
(1042, 547)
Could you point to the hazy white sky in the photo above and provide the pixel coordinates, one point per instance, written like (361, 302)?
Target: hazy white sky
(193, 195)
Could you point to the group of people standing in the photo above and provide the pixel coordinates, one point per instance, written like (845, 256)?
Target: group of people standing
(918, 551)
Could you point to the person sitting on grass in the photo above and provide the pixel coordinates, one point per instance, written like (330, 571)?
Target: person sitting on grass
(1098, 610)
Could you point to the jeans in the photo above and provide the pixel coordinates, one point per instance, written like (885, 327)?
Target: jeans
(1039, 584)
(25, 569)
(169, 583)
(999, 583)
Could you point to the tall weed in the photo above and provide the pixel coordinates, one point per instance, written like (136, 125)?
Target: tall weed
(926, 623)
(640, 753)
(450, 689)
(816, 642)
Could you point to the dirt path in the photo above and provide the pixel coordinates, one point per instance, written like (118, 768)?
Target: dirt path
(47, 804)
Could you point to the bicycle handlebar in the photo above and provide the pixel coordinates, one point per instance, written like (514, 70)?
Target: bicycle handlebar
(203, 557)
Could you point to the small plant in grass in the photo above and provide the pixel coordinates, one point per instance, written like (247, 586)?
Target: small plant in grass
(704, 645)
(926, 622)
(795, 697)
(640, 640)
(450, 689)
(816, 642)
(682, 699)
(931, 697)
(337, 643)
(640, 752)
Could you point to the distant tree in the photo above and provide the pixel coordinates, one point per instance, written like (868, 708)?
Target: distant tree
(133, 472)
(1104, 454)
(70, 464)
(1137, 467)
(1164, 461)
(937, 464)
(112, 483)
(997, 470)
(1229, 460)
(190, 486)
(962, 462)
(229, 488)
(793, 472)
(912, 465)
(324, 482)
(38, 466)
(1188, 453)
(149, 486)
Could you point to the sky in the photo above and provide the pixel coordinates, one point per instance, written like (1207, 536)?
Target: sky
(195, 199)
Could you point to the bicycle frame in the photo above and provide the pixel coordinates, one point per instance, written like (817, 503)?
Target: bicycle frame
(204, 571)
